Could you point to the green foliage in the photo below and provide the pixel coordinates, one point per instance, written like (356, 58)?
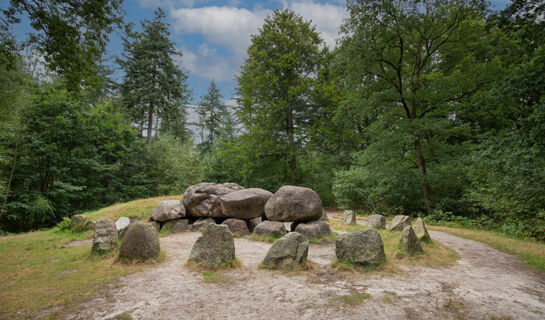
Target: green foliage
(213, 116)
(64, 224)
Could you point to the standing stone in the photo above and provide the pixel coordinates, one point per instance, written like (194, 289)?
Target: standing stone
(349, 217)
(167, 225)
(168, 210)
(314, 229)
(271, 228)
(141, 242)
(201, 224)
(180, 226)
(292, 203)
(408, 242)
(121, 226)
(376, 221)
(213, 247)
(252, 223)
(203, 199)
(421, 231)
(287, 252)
(245, 203)
(324, 216)
(363, 248)
(237, 226)
(105, 237)
(77, 223)
(399, 222)
(89, 225)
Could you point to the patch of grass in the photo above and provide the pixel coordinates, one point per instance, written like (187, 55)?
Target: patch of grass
(325, 239)
(354, 299)
(123, 316)
(455, 307)
(37, 272)
(349, 266)
(336, 224)
(214, 277)
(306, 265)
(268, 239)
(530, 251)
(161, 258)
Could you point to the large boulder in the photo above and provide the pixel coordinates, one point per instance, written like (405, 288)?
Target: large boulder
(203, 199)
(292, 203)
(252, 223)
(245, 203)
(314, 229)
(121, 225)
(349, 217)
(168, 210)
(271, 228)
(105, 237)
(237, 226)
(363, 248)
(141, 242)
(399, 222)
(376, 221)
(180, 226)
(287, 252)
(421, 231)
(215, 246)
(408, 242)
(201, 224)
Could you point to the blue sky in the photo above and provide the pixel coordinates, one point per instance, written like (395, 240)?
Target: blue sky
(214, 35)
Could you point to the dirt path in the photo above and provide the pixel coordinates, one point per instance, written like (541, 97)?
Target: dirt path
(485, 283)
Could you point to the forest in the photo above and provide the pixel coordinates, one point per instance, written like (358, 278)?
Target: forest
(431, 108)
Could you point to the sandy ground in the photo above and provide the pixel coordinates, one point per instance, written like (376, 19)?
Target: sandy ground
(485, 283)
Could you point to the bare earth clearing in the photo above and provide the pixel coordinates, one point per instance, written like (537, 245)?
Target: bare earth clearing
(485, 283)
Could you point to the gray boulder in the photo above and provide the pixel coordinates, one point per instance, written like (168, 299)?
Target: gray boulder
(213, 247)
(201, 224)
(237, 226)
(292, 203)
(408, 242)
(180, 226)
(421, 231)
(105, 237)
(168, 210)
(252, 223)
(363, 248)
(271, 228)
(245, 203)
(141, 242)
(78, 223)
(121, 226)
(203, 199)
(167, 225)
(399, 222)
(324, 216)
(376, 221)
(89, 225)
(349, 217)
(287, 252)
(316, 229)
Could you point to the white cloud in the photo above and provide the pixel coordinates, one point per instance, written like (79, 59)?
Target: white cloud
(208, 64)
(167, 3)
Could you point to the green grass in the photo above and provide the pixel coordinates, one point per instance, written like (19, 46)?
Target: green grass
(354, 299)
(325, 239)
(235, 263)
(268, 239)
(39, 276)
(215, 277)
(529, 251)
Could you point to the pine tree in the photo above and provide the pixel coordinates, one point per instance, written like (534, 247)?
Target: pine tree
(154, 87)
(212, 115)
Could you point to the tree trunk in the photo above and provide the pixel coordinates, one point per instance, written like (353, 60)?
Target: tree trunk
(421, 164)
(150, 125)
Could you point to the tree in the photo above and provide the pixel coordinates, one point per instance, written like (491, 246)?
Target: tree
(71, 35)
(154, 87)
(275, 87)
(212, 114)
(412, 64)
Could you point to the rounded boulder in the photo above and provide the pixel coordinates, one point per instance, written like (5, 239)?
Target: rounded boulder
(141, 242)
(363, 248)
(168, 210)
(291, 203)
(203, 200)
(287, 252)
(245, 203)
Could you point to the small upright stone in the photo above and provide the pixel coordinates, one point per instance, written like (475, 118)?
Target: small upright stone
(168, 210)
(201, 224)
(252, 223)
(121, 225)
(349, 217)
(141, 242)
(237, 226)
(213, 247)
(421, 231)
(363, 248)
(105, 237)
(399, 222)
(376, 221)
(271, 228)
(180, 226)
(408, 242)
(287, 252)
(77, 223)
(314, 229)
(89, 225)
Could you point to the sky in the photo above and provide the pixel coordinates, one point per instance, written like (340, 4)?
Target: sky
(214, 35)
